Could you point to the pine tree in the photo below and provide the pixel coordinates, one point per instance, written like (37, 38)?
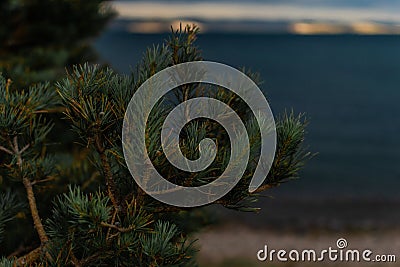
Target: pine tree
(103, 218)
(39, 38)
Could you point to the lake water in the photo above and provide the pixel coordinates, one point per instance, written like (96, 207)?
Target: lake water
(348, 86)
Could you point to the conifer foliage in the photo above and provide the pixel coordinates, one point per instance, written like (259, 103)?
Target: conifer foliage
(117, 224)
(39, 38)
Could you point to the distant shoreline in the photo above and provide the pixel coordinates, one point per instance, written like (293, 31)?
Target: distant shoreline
(229, 33)
(299, 215)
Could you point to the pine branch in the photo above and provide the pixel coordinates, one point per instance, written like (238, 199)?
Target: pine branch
(111, 188)
(6, 150)
(17, 152)
(168, 209)
(110, 183)
(29, 258)
(119, 229)
(34, 211)
(112, 222)
(32, 257)
(74, 260)
(31, 196)
(263, 188)
(50, 178)
(140, 195)
(91, 258)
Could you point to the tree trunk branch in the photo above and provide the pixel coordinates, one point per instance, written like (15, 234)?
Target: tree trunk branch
(34, 211)
(29, 258)
(6, 150)
(111, 188)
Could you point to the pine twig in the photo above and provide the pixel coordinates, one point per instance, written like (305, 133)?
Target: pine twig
(31, 196)
(17, 152)
(36, 253)
(119, 229)
(21, 249)
(50, 178)
(111, 187)
(34, 211)
(29, 258)
(112, 222)
(74, 260)
(6, 150)
(263, 188)
(169, 209)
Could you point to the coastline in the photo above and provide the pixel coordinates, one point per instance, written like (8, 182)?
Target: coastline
(237, 245)
(301, 223)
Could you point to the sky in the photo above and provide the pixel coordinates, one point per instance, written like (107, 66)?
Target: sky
(363, 16)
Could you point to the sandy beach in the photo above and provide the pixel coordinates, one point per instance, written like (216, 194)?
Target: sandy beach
(285, 223)
(237, 245)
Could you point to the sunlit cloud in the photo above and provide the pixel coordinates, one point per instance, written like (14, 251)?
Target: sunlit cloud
(317, 28)
(374, 28)
(253, 11)
(298, 17)
(357, 28)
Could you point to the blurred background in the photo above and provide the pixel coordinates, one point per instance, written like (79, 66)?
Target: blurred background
(338, 61)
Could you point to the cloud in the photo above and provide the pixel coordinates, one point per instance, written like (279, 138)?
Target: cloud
(300, 10)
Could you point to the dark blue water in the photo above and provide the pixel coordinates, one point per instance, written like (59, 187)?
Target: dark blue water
(348, 86)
